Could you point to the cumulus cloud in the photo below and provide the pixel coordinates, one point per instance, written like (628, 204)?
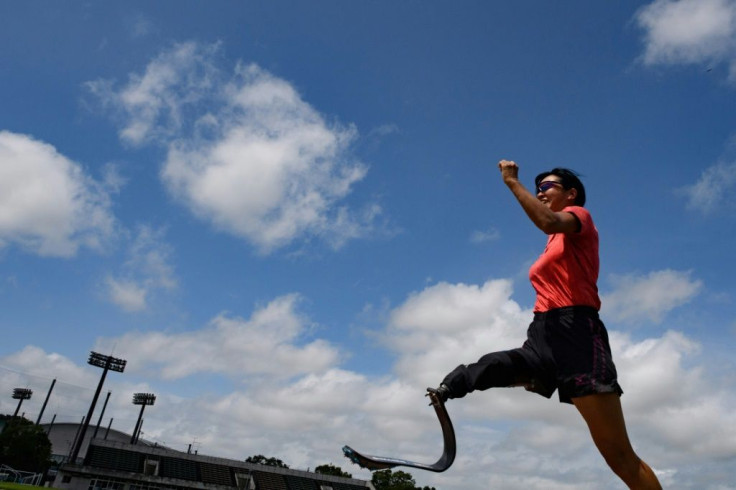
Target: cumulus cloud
(269, 343)
(275, 172)
(301, 406)
(147, 270)
(245, 151)
(48, 205)
(648, 298)
(465, 320)
(654, 369)
(714, 188)
(680, 409)
(30, 358)
(154, 106)
(689, 32)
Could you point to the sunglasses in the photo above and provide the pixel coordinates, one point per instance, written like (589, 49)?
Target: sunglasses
(547, 185)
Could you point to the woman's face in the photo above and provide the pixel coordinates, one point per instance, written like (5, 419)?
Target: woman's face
(553, 195)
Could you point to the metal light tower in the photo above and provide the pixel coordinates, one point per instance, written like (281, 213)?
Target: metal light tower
(43, 408)
(106, 363)
(141, 399)
(102, 413)
(21, 394)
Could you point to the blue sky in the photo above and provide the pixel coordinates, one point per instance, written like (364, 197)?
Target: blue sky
(287, 218)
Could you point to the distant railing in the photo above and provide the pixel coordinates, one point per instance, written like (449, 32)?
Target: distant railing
(9, 474)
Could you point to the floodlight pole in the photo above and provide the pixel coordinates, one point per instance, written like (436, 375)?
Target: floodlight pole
(51, 425)
(76, 437)
(43, 408)
(99, 421)
(106, 363)
(141, 399)
(108, 428)
(21, 394)
(138, 432)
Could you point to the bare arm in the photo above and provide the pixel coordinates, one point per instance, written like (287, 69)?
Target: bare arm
(542, 216)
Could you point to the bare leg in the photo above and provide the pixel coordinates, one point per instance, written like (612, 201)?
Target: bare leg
(605, 419)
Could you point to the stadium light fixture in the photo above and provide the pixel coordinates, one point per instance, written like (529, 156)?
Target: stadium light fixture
(141, 399)
(107, 363)
(21, 394)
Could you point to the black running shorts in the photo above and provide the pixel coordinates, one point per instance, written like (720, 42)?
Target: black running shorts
(566, 349)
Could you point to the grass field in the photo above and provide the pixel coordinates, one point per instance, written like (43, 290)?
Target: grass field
(18, 486)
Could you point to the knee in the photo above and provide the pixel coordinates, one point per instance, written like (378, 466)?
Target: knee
(622, 460)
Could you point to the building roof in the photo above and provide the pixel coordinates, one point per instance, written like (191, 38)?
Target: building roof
(156, 466)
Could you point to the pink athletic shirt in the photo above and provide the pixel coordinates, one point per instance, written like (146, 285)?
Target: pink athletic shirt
(566, 274)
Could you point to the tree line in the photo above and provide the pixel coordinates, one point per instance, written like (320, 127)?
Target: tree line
(381, 480)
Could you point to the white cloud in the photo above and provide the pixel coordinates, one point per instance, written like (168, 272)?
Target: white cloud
(654, 369)
(151, 255)
(649, 298)
(112, 180)
(128, 295)
(269, 344)
(681, 410)
(247, 154)
(152, 106)
(275, 173)
(690, 32)
(146, 271)
(34, 359)
(47, 203)
(679, 414)
(449, 324)
(714, 188)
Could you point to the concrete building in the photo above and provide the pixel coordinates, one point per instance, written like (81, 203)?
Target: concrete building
(62, 437)
(111, 462)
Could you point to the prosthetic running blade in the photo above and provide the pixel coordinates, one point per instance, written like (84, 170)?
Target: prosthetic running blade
(374, 463)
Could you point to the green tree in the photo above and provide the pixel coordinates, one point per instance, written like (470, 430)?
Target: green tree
(390, 480)
(24, 446)
(399, 480)
(329, 469)
(261, 459)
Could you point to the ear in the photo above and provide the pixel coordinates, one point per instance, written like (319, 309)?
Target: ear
(572, 194)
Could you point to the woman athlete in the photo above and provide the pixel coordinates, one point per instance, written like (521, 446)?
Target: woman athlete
(567, 345)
